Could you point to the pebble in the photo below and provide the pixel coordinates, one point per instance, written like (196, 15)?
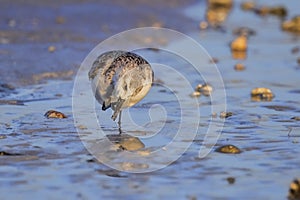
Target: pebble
(7, 86)
(195, 94)
(2, 137)
(157, 24)
(298, 60)
(60, 20)
(259, 94)
(279, 11)
(294, 191)
(215, 16)
(231, 180)
(296, 118)
(230, 149)
(4, 153)
(54, 114)
(203, 25)
(292, 25)
(11, 102)
(225, 114)
(51, 49)
(239, 67)
(244, 31)
(214, 60)
(295, 50)
(82, 127)
(12, 23)
(214, 115)
(248, 5)
(204, 89)
(220, 3)
(239, 44)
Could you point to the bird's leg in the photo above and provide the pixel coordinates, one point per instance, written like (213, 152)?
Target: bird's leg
(117, 112)
(117, 108)
(119, 122)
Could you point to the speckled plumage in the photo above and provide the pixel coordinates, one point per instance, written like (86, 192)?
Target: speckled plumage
(120, 79)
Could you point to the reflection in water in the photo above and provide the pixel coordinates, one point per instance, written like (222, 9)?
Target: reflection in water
(239, 55)
(126, 142)
(113, 143)
(120, 151)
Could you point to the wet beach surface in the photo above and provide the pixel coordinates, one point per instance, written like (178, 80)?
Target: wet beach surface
(44, 157)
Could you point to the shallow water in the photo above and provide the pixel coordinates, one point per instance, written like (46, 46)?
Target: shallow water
(49, 160)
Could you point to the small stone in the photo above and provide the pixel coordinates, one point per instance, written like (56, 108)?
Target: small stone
(244, 31)
(239, 67)
(82, 127)
(230, 149)
(220, 3)
(12, 23)
(5, 153)
(203, 25)
(58, 95)
(6, 86)
(11, 102)
(261, 94)
(2, 137)
(54, 114)
(263, 10)
(279, 11)
(294, 191)
(297, 118)
(231, 180)
(204, 89)
(191, 197)
(239, 44)
(225, 114)
(60, 20)
(215, 16)
(295, 50)
(248, 5)
(214, 60)
(51, 49)
(292, 25)
(157, 24)
(298, 60)
(4, 40)
(214, 115)
(195, 94)
(92, 160)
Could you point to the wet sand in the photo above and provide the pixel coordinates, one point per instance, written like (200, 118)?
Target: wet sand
(28, 28)
(45, 158)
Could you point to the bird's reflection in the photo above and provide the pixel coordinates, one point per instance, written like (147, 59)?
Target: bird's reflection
(125, 142)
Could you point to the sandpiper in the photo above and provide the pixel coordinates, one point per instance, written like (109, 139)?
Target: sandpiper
(120, 79)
